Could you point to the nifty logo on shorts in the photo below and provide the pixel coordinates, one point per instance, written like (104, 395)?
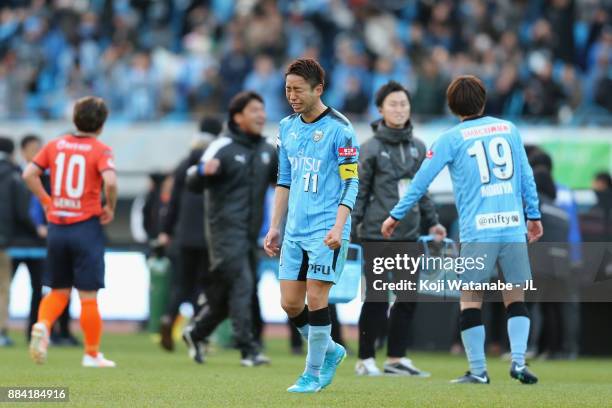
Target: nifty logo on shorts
(498, 220)
(347, 151)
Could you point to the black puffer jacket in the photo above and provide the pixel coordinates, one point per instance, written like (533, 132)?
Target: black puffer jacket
(234, 198)
(185, 216)
(14, 202)
(387, 158)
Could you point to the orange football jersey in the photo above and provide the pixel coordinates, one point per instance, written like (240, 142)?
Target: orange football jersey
(76, 164)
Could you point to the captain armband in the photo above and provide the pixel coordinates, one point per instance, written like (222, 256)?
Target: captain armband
(348, 171)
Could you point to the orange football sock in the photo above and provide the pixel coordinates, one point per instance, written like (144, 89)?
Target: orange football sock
(51, 307)
(91, 323)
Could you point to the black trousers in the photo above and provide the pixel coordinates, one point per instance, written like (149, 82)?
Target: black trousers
(230, 294)
(191, 280)
(257, 319)
(373, 319)
(36, 269)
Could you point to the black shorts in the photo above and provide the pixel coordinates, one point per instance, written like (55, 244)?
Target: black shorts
(75, 255)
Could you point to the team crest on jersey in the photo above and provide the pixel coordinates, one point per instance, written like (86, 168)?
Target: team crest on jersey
(318, 135)
(265, 157)
(429, 154)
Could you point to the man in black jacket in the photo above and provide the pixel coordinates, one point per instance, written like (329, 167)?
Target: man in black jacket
(184, 224)
(28, 237)
(387, 163)
(13, 215)
(551, 265)
(237, 169)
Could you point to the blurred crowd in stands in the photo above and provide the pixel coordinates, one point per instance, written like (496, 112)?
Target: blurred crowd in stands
(547, 61)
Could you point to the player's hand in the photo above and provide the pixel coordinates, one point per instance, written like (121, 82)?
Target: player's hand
(42, 231)
(45, 202)
(333, 239)
(438, 232)
(163, 239)
(271, 242)
(534, 230)
(108, 214)
(388, 227)
(211, 167)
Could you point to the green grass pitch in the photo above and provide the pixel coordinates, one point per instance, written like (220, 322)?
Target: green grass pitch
(146, 377)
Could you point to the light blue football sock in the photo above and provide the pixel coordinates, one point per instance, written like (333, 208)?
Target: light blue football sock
(474, 342)
(318, 341)
(518, 333)
(331, 347)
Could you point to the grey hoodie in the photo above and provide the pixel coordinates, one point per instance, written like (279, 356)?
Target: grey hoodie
(387, 158)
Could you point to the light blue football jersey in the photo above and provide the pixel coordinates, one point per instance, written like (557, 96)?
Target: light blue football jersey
(492, 180)
(318, 163)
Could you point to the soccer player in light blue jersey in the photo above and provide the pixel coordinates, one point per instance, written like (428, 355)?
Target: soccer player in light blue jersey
(494, 188)
(316, 189)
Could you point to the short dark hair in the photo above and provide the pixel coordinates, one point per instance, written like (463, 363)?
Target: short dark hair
(389, 88)
(605, 178)
(210, 124)
(309, 69)
(544, 182)
(29, 138)
(466, 95)
(7, 145)
(89, 114)
(541, 159)
(240, 101)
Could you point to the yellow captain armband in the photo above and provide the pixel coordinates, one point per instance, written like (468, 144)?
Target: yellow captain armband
(348, 171)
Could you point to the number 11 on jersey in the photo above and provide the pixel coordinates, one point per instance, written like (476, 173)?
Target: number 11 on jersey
(307, 179)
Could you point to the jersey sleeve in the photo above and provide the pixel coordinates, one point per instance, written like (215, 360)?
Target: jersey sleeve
(528, 186)
(440, 154)
(105, 159)
(284, 166)
(347, 155)
(42, 158)
(215, 150)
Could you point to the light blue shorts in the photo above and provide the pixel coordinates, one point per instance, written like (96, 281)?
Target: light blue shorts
(510, 256)
(311, 259)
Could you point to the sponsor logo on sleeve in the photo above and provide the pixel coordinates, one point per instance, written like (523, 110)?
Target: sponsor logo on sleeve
(347, 151)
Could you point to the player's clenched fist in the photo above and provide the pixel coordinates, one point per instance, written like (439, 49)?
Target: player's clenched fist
(108, 214)
(388, 227)
(211, 167)
(534, 230)
(333, 239)
(271, 242)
